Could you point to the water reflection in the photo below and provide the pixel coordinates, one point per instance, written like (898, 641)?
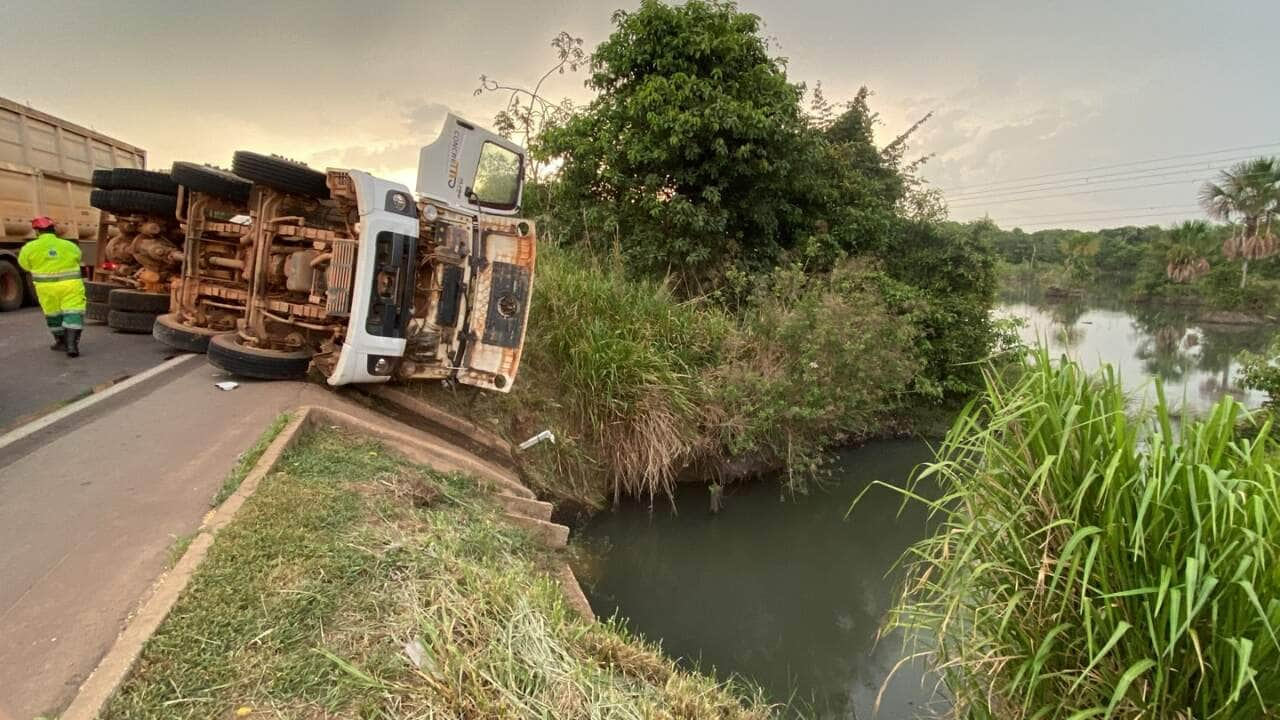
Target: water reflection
(791, 593)
(1195, 360)
(788, 593)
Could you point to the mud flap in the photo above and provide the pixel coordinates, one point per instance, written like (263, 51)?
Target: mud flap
(501, 289)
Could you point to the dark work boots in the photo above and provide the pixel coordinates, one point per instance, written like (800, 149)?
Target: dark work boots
(73, 342)
(59, 341)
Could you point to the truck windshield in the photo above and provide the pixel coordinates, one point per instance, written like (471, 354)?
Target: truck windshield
(497, 183)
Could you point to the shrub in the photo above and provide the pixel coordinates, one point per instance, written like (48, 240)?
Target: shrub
(820, 359)
(952, 269)
(1093, 564)
(1259, 371)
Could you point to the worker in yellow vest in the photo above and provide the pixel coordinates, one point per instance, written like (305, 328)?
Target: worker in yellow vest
(54, 265)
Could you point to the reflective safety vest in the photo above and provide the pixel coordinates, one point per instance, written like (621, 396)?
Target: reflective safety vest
(49, 258)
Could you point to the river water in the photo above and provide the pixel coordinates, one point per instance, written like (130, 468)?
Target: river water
(789, 593)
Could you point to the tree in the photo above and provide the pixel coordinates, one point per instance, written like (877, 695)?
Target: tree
(1080, 248)
(1186, 257)
(527, 111)
(1246, 195)
(696, 157)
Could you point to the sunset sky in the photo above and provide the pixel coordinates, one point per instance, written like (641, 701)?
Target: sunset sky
(1019, 89)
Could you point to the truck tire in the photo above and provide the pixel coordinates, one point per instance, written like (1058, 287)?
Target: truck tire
(144, 180)
(96, 311)
(281, 174)
(138, 302)
(145, 203)
(101, 199)
(102, 179)
(98, 292)
(13, 288)
(227, 353)
(130, 322)
(212, 181)
(170, 331)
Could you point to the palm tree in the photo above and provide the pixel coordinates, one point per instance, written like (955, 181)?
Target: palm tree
(1247, 195)
(1186, 257)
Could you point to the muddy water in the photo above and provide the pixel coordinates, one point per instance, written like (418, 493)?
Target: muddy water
(789, 592)
(786, 592)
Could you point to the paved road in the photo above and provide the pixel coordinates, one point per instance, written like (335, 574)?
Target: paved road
(90, 506)
(36, 379)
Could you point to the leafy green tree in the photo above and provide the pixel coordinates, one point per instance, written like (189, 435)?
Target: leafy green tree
(1248, 196)
(1080, 249)
(690, 149)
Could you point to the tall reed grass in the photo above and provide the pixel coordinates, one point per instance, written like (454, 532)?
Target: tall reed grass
(1091, 561)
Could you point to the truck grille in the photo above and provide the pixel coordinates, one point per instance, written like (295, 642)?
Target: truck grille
(341, 271)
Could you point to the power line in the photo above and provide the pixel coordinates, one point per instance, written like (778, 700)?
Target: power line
(1081, 192)
(1113, 219)
(1096, 212)
(1087, 183)
(1115, 165)
(1119, 177)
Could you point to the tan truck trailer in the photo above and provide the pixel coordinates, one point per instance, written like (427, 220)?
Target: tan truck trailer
(46, 168)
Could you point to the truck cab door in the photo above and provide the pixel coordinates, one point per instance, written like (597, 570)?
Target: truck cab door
(472, 169)
(499, 293)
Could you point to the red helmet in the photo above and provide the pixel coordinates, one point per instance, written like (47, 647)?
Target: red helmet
(42, 223)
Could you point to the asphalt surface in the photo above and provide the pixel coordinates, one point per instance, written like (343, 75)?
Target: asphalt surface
(35, 379)
(91, 505)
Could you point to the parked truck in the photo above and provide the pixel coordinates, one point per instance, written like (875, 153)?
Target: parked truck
(289, 270)
(47, 167)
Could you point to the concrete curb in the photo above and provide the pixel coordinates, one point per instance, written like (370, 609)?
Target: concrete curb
(436, 416)
(105, 679)
(114, 668)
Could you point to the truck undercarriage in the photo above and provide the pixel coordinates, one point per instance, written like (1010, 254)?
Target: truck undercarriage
(351, 276)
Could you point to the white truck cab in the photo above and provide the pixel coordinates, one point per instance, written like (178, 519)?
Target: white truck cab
(442, 284)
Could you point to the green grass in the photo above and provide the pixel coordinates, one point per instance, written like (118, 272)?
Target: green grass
(342, 557)
(639, 386)
(1092, 561)
(248, 458)
(178, 548)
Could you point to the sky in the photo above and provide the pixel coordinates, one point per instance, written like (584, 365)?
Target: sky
(1045, 113)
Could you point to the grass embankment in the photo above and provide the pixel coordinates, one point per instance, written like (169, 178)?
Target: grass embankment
(1095, 563)
(346, 556)
(640, 386)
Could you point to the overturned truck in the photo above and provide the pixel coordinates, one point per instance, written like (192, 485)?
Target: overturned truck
(287, 270)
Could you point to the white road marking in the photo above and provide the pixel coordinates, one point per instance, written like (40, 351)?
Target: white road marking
(37, 425)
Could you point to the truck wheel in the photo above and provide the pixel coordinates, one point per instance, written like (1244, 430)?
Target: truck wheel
(138, 301)
(170, 331)
(212, 181)
(279, 173)
(98, 291)
(12, 287)
(146, 203)
(227, 353)
(144, 180)
(101, 199)
(102, 179)
(130, 322)
(96, 311)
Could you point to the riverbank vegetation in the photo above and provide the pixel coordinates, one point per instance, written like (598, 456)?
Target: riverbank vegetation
(1228, 266)
(352, 584)
(1096, 561)
(734, 276)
